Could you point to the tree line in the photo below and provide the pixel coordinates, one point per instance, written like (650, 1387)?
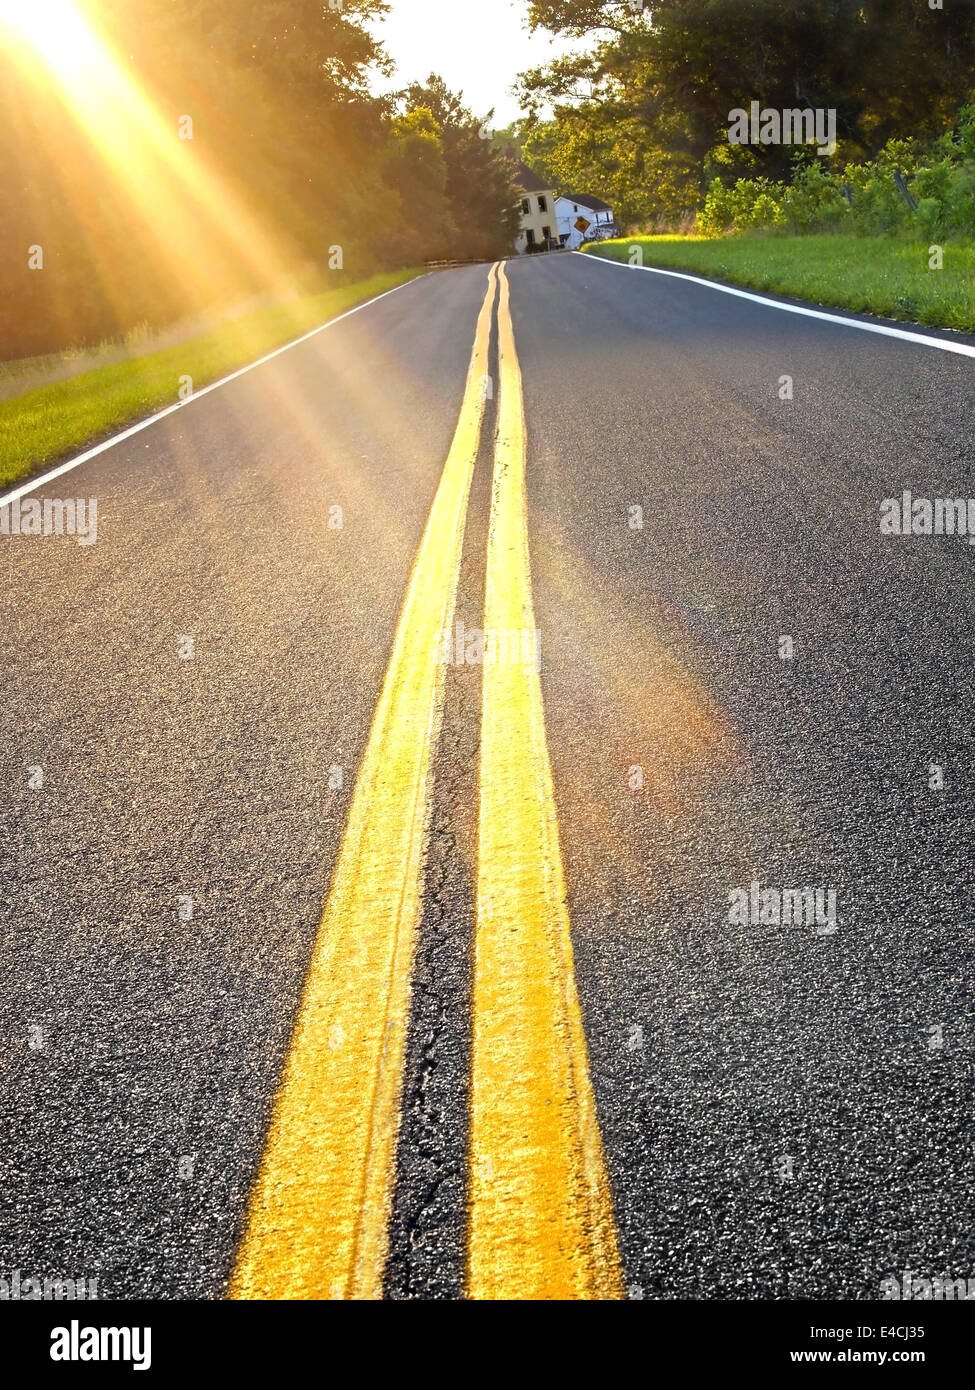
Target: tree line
(218, 150)
(641, 112)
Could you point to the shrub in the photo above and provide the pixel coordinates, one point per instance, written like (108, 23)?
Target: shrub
(753, 204)
(814, 201)
(941, 177)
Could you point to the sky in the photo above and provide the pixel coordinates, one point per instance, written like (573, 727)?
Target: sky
(477, 46)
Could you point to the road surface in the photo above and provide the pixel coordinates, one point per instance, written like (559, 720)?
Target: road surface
(533, 1049)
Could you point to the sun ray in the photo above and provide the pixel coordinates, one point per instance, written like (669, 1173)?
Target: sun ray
(202, 232)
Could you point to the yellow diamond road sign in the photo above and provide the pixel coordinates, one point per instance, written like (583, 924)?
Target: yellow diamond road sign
(581, 225)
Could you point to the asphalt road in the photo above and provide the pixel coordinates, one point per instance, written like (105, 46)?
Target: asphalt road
(784, 1113)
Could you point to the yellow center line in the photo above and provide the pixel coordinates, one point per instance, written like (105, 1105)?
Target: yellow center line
(318, 1215)
(541, 1218)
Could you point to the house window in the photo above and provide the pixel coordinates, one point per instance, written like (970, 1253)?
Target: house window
(530, 234)
(542, 205)
(546, 233)
(526, 206)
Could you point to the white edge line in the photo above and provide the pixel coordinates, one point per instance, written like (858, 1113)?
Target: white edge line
(922, 339)
(24, 488)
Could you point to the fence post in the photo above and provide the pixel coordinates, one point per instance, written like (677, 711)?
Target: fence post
(904, 191)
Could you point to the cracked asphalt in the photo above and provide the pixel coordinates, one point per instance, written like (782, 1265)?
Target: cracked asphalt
(785, 1114)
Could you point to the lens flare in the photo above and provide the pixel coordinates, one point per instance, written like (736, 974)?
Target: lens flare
(203, 235)
(55, 29)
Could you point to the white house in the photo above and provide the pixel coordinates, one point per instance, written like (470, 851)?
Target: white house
(538, 231)
(572, 210)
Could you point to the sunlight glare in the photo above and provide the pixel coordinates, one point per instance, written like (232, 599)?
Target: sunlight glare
(54, 29)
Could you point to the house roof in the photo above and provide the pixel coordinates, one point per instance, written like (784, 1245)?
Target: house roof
(529, 182)
(585, 201)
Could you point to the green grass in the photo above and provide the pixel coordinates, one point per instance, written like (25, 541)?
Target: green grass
(871, 275)
(53, 421)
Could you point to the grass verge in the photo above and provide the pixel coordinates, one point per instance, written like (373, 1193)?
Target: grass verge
(870, 275)
(53, 421)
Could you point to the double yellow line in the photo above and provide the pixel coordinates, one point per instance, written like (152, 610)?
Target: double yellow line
(541, 1221)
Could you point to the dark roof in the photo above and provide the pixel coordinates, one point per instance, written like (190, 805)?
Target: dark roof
(584, 200)
(527, 181)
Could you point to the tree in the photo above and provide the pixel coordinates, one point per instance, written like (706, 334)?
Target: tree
(657, 85)
(289, 155)
(416, 168)
(482, 196)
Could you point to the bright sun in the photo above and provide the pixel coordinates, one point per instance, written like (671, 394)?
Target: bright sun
(54, 29)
